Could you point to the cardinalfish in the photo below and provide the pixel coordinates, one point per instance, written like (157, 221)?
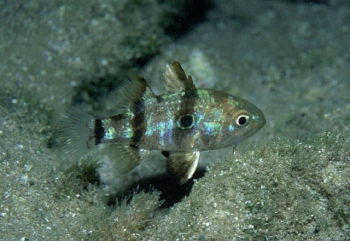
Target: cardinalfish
(181, 123)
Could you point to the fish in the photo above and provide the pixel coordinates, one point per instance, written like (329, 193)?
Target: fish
(181, 123)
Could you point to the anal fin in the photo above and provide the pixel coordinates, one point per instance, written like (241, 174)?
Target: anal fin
(124, 158)
(182, 164)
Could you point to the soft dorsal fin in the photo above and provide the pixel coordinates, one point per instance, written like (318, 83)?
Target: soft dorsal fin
(181, 165)
(176, 80)
(128, 90)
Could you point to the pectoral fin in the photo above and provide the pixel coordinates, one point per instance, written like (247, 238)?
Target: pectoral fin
(182, 164)
(124, 158)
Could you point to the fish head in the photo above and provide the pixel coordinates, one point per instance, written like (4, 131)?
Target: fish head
(241, 120)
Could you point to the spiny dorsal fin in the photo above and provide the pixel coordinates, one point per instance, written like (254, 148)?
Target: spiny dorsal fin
(130, 89)
(182, 165)
(124, 158)
(176, 79)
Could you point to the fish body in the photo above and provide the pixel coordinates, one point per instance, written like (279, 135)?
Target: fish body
(180, 123)
(213, 123)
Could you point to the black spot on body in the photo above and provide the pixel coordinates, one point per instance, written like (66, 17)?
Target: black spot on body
(185, 115)
(186, 121)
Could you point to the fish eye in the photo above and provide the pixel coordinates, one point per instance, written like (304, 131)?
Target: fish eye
(185, 121)
(242, 120)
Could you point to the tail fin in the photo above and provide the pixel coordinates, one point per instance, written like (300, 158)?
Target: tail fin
(76, 136)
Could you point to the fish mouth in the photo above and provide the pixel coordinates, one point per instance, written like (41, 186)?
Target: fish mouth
(259, 119)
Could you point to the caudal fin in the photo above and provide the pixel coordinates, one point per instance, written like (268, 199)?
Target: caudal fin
(76, 135)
